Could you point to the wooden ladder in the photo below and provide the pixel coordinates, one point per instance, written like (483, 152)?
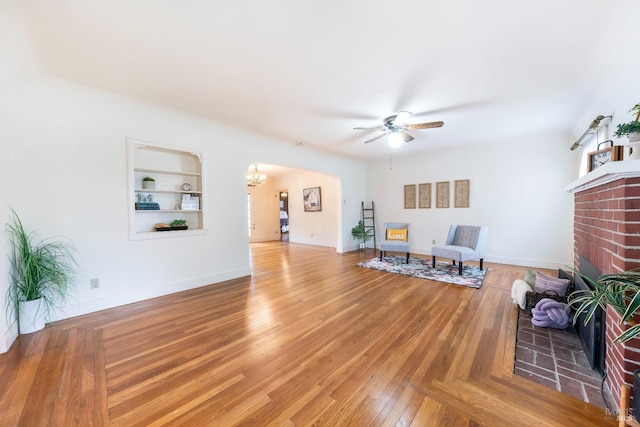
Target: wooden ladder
(369, 221)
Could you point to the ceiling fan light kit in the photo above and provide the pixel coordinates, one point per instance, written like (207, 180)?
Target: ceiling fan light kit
(395, 140)
(396, 127)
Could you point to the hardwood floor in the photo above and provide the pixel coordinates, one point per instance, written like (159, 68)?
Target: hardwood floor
(309, 339)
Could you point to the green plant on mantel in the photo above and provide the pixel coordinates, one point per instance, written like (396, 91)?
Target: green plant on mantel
(621, 291)
(149, 179)
(625, 129)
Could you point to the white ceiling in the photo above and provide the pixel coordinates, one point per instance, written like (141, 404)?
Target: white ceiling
(312, 70)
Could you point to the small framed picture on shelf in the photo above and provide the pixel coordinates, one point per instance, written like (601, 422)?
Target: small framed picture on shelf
(190, 202)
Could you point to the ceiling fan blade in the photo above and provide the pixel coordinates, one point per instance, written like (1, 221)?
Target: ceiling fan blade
(401, 118)
(380, 128)
(375, 138)
(406, 137)
(428, 125)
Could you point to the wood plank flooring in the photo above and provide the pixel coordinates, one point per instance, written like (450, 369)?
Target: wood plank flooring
(308, 339)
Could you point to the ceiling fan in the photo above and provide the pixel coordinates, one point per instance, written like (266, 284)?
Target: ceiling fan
(396, 127)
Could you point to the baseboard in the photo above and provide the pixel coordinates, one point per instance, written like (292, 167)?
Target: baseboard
(86, 307)
(536, 263)
(313, 243)
(521, 262)
(8, 337)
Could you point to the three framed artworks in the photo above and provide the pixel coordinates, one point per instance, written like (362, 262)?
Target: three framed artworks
(420, 195)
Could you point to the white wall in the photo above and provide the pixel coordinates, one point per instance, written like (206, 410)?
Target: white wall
(5, 194)
(517, 190)
(316, 228)
(68, 152)
(616, 88)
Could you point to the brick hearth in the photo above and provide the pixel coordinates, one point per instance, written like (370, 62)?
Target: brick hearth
(554, 358)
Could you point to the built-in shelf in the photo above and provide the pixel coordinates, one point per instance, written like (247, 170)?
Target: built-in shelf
(166, 210)
(144, 190)
(166, 172)
(171, 168)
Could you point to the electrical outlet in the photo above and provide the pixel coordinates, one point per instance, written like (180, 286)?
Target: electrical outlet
(95, 283)
(433, 242)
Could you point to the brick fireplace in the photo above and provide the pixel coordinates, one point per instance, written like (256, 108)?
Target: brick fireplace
(606, 227)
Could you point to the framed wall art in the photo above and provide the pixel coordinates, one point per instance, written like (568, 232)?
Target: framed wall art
(311, 199)
(410, 196)
(424, 196)
(442, 194)
(461, 193)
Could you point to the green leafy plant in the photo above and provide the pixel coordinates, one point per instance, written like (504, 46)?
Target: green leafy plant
(361, 232)
(620, 291)
(178, 223)
(624, 129)
(148, 178)
(45, 269)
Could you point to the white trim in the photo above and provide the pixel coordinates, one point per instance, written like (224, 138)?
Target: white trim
(605, 174)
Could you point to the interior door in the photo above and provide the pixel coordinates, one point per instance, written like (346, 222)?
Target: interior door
(263, 208)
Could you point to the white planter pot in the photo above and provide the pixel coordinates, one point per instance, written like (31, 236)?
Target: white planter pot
(634, 150)
(634, 137)
(148, 185)
(31, 316)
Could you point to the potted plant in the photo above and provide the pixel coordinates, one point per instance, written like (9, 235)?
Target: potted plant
(362, 233)
(632, 128)
(621, 292)
(179, 224)
(41, 275)
(148, 183)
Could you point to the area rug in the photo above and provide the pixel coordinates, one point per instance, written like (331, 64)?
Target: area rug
(472, 276)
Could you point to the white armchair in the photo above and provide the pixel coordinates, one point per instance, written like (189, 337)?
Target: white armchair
(396, 238)
(464, 243)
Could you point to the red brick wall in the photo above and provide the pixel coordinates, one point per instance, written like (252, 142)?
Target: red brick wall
(606, 227)
(621, 359)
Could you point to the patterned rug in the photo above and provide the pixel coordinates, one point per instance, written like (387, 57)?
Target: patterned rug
(472, 276)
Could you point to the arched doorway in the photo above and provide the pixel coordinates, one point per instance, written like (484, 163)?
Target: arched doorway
(269, 210)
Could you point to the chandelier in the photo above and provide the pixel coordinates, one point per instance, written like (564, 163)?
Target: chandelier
(255, 178)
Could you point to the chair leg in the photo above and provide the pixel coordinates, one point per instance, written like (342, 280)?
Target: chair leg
(460, 268)
(381, 252)
(481, 264)
(407, 257)
(433, 261)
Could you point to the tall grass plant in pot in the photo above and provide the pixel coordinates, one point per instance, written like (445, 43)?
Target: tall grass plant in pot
(41, 277)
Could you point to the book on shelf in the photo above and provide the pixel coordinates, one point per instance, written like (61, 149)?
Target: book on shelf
(146, 206)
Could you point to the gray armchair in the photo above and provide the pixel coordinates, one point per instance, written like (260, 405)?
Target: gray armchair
(396, 238)
(464, 243)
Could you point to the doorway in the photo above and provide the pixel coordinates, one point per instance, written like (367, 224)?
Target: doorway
(284, 215)
(269, 210)
(263, 215)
